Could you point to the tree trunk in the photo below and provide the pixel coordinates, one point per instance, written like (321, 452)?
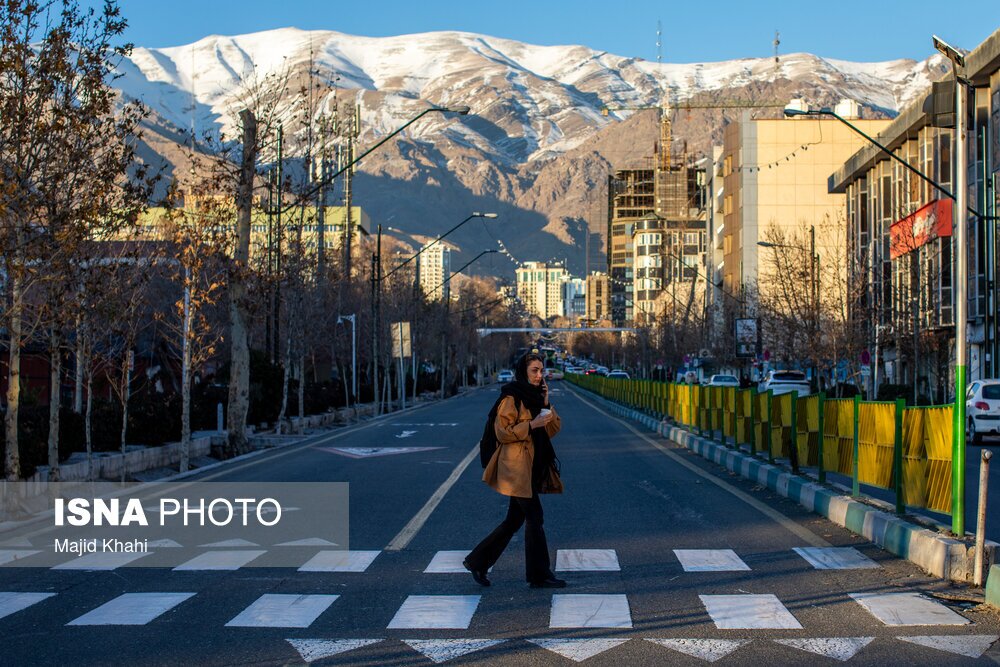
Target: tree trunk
(78, 387)
(12, 460)
(126, 394)
(186, 376)
(86, 422)
(284, 383)
(55, 375)
(239, 367)
(302, 392)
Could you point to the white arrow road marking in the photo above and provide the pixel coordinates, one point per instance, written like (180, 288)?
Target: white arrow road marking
(838, 648)
(368, 452)
(405, 434)
(972, 646)
(443, 650)
(578, 650)
(708, 650)
(317, 649)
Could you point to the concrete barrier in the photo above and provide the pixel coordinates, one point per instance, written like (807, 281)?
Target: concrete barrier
(993, 586)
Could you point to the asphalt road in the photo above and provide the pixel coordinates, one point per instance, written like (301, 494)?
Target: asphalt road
(630, 496)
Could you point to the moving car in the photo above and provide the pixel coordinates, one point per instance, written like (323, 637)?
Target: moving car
(505, 376)
(982, 409)
(785, 382)
(722, 380)
(618, 375)
(553, 374)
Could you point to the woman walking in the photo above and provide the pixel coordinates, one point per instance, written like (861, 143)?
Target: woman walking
(523, 466)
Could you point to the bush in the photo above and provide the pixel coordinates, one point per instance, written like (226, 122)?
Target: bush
(33, 436)
(890, 392)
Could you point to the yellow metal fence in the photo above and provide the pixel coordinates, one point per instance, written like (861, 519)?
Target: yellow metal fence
(881, 444)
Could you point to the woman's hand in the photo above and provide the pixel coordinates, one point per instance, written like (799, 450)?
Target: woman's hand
(545, 393)
(541, 420)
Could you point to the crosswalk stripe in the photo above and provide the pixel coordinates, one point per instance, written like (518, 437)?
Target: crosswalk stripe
(239, 542)
(132, 609)
(219, 560)
(100, 561)
(590, 611)
(907, 609)
(972, 646)
(587, 560)
(447, 562)
(11, 555)
(279, 610)
(446, 612)
(308, 542)
(340, 561)
(443, 650)
(11, 603)
(579, 650)
(317, 649)
(836, 558)
(708, 650)
(710, 560)
(748, 612)
(837, 648)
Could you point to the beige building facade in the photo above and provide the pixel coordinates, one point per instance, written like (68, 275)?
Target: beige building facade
(539, 287)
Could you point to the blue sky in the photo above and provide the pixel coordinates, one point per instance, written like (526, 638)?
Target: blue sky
(693, 30)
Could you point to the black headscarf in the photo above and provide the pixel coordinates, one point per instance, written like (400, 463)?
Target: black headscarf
(532, 397)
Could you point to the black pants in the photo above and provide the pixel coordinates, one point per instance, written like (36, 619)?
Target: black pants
(536, 551)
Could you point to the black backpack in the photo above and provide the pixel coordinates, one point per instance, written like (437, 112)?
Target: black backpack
(488, 443)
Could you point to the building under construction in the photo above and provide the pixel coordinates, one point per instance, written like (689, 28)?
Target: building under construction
(656, 236)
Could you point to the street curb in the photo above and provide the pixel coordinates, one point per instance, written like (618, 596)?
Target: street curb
(940, 556)
(993, 586)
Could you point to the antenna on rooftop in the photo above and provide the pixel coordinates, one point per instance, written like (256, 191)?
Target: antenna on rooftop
(659, 42)
(777, 61)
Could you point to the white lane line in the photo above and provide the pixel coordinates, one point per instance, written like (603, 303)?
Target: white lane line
(708, 650)
(579, 650)
(445, 612)
(417, 522)
(317, 649)
(837, 648)
(443, 650)
(340, 561)
(748, 612)
(11, 555)
(275, 610)
(710, 560)
(907, 609)
(132, 609)
(11, 603)
(100, 561)
(219, 560)
(590, 611)
(972, 646)
(836, 558)
(447, 562)
(804, 534)
(587, 560)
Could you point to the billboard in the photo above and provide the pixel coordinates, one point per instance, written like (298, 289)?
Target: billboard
(929, 222)
(746, 338)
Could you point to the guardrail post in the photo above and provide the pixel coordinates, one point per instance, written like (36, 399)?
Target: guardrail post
(897, 456)
(822, 437)
(855, 486)
(793, 450)
(769, 434)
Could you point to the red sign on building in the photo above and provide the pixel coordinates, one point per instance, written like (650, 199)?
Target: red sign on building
(932, 221)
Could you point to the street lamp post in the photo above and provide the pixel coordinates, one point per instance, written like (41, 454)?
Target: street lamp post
(447, 308)
(354, 351)
(412, 257)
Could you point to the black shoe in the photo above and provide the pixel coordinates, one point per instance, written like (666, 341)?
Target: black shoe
(549, 582)
(478, 575)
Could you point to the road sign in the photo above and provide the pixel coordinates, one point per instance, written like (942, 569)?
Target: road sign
(400, 340)
(866, 371)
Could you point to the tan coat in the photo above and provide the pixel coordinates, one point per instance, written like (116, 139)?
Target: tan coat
(509, 471)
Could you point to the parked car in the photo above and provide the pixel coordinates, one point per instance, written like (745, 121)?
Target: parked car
(722, 380)
(553, 374)
(785, 382)
(982, 410)
(602, 370)
(618, 375)
(505, 376)
(573, 369)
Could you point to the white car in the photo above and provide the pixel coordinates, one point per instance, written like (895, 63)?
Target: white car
(720, 380)
(982, 409)
(785, 382)
(618, 375)
(505, 376)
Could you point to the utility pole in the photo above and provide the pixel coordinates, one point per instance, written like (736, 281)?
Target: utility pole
(276, 353)
(352, 134)
(374, 335)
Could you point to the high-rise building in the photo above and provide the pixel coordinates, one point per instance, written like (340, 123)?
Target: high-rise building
(598, 297)
(574, 298)
(539, 287)
(434, 269)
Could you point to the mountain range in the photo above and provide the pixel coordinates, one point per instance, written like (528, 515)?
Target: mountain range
(547, 123)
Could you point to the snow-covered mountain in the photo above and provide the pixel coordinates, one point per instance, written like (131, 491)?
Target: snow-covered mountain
(536, 142)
